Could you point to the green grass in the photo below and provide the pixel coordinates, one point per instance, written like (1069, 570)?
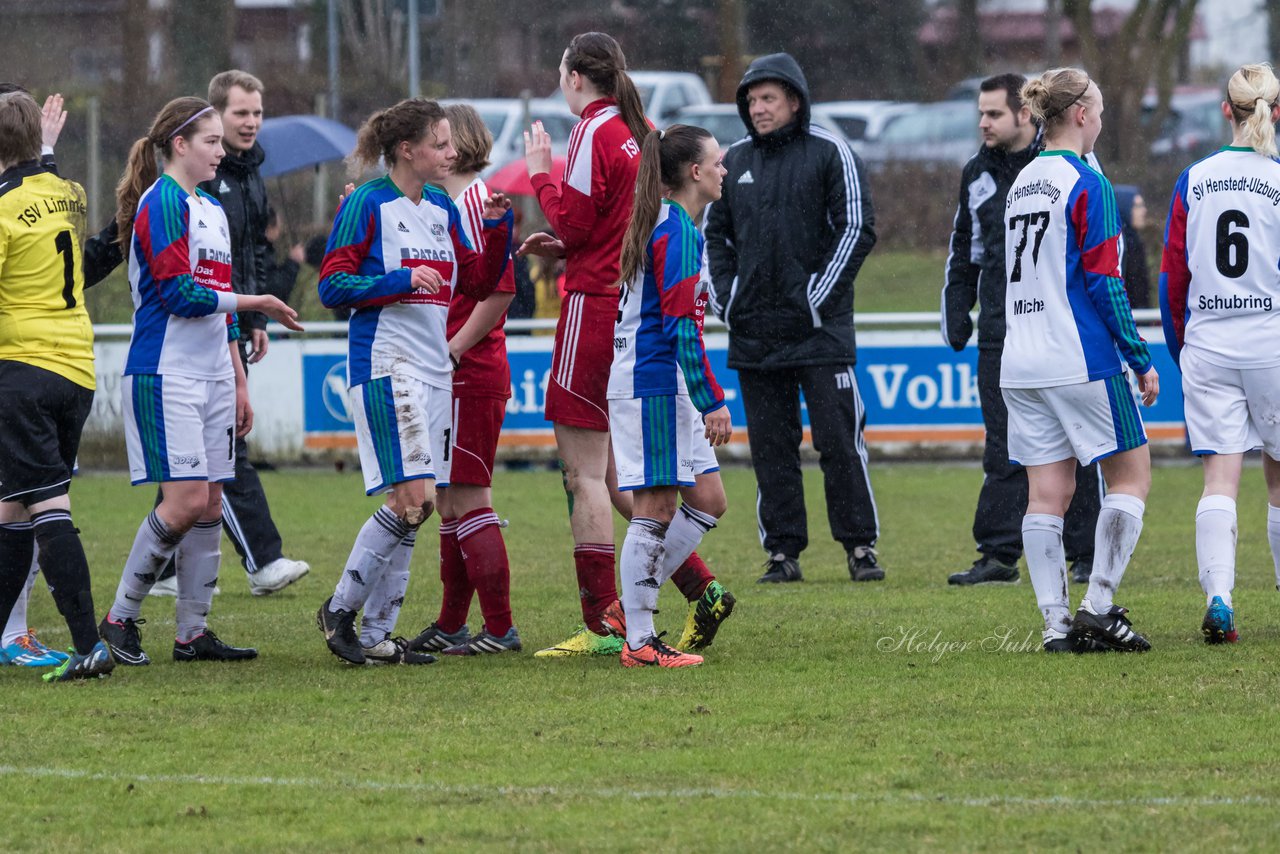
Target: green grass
(802, 731)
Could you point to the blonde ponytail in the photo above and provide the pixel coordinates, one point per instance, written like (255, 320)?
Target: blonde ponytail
(1253, 92)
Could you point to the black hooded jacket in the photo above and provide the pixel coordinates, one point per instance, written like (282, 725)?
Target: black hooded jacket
(238, 187)
(788, 236)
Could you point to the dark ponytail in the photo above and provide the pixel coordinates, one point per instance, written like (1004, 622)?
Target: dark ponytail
(598, 57)
(663, 159)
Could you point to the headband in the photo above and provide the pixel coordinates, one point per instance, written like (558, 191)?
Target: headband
(1068, 105)
(208, 109)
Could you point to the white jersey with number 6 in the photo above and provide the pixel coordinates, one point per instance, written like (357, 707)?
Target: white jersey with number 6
(1220, 273)
(1066, 314)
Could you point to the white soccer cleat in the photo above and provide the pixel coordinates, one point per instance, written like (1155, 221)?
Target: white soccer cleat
(277, 575)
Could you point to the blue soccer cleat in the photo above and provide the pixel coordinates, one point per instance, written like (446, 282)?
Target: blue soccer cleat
(1219, 624)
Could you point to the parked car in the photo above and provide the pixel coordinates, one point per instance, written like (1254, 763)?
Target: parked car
(945, 132)
(859, 122)
(1194, 127)
(665, 93)
(507, 120)
(721, 119)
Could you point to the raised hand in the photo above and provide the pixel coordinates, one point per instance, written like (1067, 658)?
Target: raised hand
(495, 206)
(52, 118)
(537, 149)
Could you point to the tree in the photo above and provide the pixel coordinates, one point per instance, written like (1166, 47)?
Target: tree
(1145, 52)
(201, 33)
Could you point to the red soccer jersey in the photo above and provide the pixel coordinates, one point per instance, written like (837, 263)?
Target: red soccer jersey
(483, 370)
(591, 208)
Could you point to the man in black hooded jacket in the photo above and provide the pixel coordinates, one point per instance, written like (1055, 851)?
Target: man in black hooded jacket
(784, 244)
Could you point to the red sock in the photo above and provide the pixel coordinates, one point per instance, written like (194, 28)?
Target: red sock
(480, 539)
(594, 565)
(693, 577)
(456, 601)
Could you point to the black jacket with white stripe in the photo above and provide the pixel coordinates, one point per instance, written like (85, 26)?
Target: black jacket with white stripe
(787, 237)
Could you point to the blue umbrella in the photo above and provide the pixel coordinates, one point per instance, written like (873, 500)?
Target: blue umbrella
(296, 142)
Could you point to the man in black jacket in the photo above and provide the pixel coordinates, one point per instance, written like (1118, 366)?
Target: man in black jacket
(784, 243)
(975, 273)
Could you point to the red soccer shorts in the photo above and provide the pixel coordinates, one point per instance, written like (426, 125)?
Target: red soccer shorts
(477, 421)
(577, 392)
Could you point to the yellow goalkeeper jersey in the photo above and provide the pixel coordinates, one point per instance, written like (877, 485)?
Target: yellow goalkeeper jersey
(43, 321)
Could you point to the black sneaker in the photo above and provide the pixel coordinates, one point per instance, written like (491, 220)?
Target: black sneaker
(124, 641)
(1111, 630)
(863, 566)
(779, 568)
(986, 570)
(209, 647)
(339, 629)
(395, 651)
(1070, 643)
(1081, 569)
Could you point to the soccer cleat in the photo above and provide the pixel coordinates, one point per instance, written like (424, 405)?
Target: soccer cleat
(96, 664)
(1081, 569)
(863, 565)
(209, 647)
(1112, 630)
(26, 651)
(124, 641)
(583, 642)
(705, 615)
(779, 569)
(1058, 642)
(614, 619)
(654, 653)
(1219, 624)
(486, 643)
(339, 629)
(276, 576)
(986, 570)
(435, 639)
(396, 651)
(164, 587)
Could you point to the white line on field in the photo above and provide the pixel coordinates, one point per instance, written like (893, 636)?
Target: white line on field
(564, 792)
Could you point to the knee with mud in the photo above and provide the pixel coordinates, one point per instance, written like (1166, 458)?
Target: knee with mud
(415, 516)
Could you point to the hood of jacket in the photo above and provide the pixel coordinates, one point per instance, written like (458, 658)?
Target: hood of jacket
(781, 67)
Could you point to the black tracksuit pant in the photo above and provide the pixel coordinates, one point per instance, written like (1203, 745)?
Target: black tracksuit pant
(1002, 502)
(836, 417)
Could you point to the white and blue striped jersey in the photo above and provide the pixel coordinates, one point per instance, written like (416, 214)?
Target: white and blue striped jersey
(1067, 317)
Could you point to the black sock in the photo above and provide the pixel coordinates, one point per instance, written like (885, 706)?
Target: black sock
(16, 545)
(66, 570)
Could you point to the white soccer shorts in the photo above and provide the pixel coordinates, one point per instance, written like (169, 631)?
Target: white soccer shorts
(1087, 421)
(402, 430)
(659, 441)
(1230, 410)
(177, 428)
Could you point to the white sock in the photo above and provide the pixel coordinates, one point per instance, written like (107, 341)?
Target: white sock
(1216, 546)
(683, 536)
(16, 626)
(377, 540)
(1119, 526)
(382, 608)
(643, 553)
(152, 548)
(1047, 565)
(1273, 537)
(198, 559)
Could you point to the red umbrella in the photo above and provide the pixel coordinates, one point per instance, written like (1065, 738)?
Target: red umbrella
(513, 179)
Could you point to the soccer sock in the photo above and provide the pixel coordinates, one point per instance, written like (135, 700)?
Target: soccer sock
(683, 535)
(152, 548)
(1047, 564)
(485, 554)
(382, 609)
(1273, 537)
(66, 570)
(593, 563)
(379, 537)
(643, 553)
(1216, 546)
(456, 601)
(17, 543)
(198, 559)
(692, 577)
(16, 626)
(1119, 525)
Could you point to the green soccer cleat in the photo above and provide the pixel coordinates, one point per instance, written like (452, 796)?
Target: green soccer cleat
(706, 614)
(583, 642)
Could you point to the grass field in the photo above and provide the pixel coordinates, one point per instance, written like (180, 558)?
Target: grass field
(811, 726)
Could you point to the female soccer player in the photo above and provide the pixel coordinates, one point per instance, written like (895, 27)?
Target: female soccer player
(1218, 291)
(666, 409)
(184, 392)
(1061, 373)
(473, 556)
(46, 381)
(396, 253)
